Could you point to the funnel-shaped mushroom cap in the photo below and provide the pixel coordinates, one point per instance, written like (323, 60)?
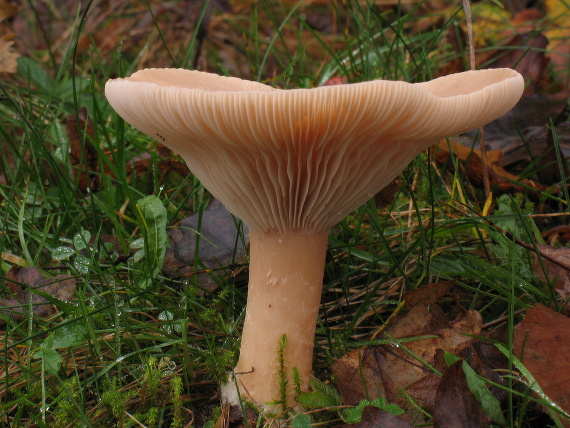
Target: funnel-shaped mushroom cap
(304, 158)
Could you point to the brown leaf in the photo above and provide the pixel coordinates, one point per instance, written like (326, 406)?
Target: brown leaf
(359, 375)
(219, 244)
(385, 196)
(386, 370)
(542, 343)
(471, 160)
(7, 10)
(423, 391)
(556, 261)
(373, 417)
(525, 53)
(8, 57)
(428, 294)
(455, 404)
(399, 369)
(61, 287)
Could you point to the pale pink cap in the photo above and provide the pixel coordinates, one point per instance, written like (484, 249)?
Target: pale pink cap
(304, 158)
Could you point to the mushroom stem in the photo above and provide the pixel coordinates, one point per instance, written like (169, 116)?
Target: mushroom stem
(284, 293)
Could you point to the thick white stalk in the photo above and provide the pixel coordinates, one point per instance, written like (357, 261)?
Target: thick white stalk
(284, 293)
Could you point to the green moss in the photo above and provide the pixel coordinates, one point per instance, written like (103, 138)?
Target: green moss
(282, 372)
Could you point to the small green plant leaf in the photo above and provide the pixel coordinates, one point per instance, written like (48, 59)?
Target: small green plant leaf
(301, 421)
(138, 256)
(51, 358)
(81, 240)
(65, 336)
(316, 400)
(137, 244)
(323, 395)
(34, 71)
(62, 253)
(354, 415)
(82, 264)
(326, 389)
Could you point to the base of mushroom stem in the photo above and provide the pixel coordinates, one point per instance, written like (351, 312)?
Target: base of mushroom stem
(229, 395)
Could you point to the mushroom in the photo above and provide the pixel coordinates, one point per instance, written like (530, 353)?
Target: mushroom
(291, 164)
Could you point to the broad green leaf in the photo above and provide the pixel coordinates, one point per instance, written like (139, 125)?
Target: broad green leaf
(154, 218)
(301, 421)
(326, 389)
(34, 71)
(68, 335)
(137, 244)
(62, 253)
(52, 359)
(354, 415)
(65, 336)
(82, 264)
(81, 240)
(138, 256)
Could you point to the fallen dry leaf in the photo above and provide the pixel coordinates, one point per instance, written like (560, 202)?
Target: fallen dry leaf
(556, 261)
(387, 370)
(7, 10)
(23, 282)
(359, 375)
(8, 57)
(471, 160)
(542, 343)
(525, 54)
(455, 404)
(219, 244)
(428, 294)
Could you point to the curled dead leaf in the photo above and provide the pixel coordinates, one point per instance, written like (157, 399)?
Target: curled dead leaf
(387, 370)
(24, 283)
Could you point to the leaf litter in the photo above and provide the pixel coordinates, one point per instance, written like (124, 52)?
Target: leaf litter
(26, 288)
